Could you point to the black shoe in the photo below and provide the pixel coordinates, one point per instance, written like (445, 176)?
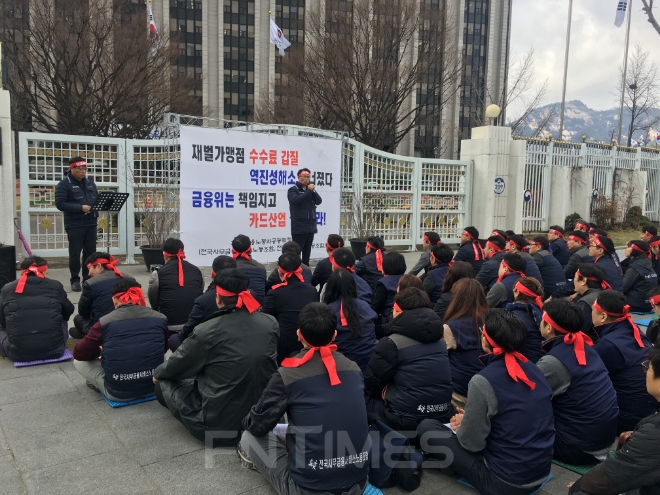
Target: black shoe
(75, 286)
(245, 460)
(89, 384)
(74, 333)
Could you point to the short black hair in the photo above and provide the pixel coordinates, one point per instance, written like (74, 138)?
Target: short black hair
(566, 314)
(172, 246)
(473, 232)
(223, 262)
(650, 229)
(241, 243)
(304, 170)
(598, 232)
(543, 241)
(95, 256)
(505, 329)
(344, 257)
(376, 242)
(317, 323)
(335, 241)
(592, 225)
(654, 292)
(412, 298)
(509, 233)
(607, 243)
(442, 253)
(644, 246)
(591, 270)
(515, 262)
(581, 235)
(519, 240)
(497, 240)
(291, 247)
(123, 285)
(231, 280)
(558, 228)
(289, 262)
(394, 264)
(77, 159)
(612, 301)
(654, 358)
(433, 237)
(32, 260)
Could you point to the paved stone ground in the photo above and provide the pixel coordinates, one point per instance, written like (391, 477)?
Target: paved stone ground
(59, 437)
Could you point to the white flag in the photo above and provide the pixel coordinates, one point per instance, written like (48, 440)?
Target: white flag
(621, 12)
(277, 38)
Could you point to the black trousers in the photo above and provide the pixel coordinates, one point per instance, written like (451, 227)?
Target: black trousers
(80, 239)
(305, 241)
(571, 455)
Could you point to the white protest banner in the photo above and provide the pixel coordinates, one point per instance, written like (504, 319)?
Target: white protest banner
(236, 182)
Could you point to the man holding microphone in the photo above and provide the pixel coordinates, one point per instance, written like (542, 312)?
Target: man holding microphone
(74, 197)
(303, 200)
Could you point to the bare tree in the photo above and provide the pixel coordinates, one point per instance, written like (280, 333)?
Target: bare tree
(378, 69)
(88, 70)
(640, 92)
(648, 9)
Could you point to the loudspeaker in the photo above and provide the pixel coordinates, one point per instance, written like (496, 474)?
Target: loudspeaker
(7, 264)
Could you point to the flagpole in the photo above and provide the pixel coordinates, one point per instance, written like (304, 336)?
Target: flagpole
(563, 92)
(625, 72)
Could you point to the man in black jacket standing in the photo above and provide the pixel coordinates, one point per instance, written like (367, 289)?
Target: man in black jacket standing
(303, 200)
(74, 196)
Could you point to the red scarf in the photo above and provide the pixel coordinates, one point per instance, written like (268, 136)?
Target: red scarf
(476, 247)
(654, 243)
(179, 256)
(525, 291)
(245, 254)
(577, 239)
(511, 362)
(287, 275)
(244, 298)
(326, 357)
(603, 283)
(576, 339)
(342, 317)
(397, 308)
(108, 264)
(134, 295)
(496, 249)
(622, 317)
(510, 272)
(557, 233)
(334, 263)
(33, 268)
(379, 256)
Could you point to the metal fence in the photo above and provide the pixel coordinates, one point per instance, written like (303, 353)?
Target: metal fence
(415, 194)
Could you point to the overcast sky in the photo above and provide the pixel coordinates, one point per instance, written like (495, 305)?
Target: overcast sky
(596, 45)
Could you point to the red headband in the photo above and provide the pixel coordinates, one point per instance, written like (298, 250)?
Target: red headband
(580, 224)
(478, 251)
(33, 268)
(326, 357)
(597, 242)
(511, 362)
(495, 232)
(179, 256)
(287, 275)
(576, 339)
(465, 232)
(525, 291)
(511, 270)
(397, 308)
(134, 295)
(622, 317)
(304, 174)
(245, 254)
(654, 300)
(603, 283)
(556, 232)
(426, 238)
(334, 263)
(522, 248)
(379, 256)
(635, 247)
(494, 247)
(577, 239)
(329, 247)
(244, 298)
(107, 263)
(81, 163)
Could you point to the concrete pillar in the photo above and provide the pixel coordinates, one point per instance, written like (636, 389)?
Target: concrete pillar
(560, 195)
(7, 174)
(498, 178)
(581, 188)
(629, 190)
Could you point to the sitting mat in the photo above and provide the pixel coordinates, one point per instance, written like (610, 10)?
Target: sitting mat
(642, 312)
(465, 482)
(371, 490)
(576, 468)
(65, 357)
(116, 403)
(644, 323)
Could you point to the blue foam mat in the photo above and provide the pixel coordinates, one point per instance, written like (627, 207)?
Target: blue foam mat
(646, 322)
(371, 490)
(465, 482)
(115, 403)
(642, 312)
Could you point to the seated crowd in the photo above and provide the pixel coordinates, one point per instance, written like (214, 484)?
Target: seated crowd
(497, 359)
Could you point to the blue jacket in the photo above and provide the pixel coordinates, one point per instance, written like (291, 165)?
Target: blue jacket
(435, 278)
(532, 269)
(487, 276)
(465, 358)
(302, 207)
(472, 253)
(579, 255)
(364, 292)
(257, 273)
(70, 196)
(358, 349)
(367, 268)
(613, 272)
(640, 279)
(383, 306)
(554, 279)
(96, 298)
(531, 315)
(559, 250)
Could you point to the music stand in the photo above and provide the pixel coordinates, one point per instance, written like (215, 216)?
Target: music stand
(110, 202)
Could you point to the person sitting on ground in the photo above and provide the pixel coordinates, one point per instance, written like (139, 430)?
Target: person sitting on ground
(494, 447)
(558, 246)
(394, 267)
(494, 252)
(321, 392)
(323, 268)
(654, 245)
(640, 277)
(519, 245)
(512, 267)
(119, 354)
(409, 280)
(356, 321)
(633, 468)
(582, 226)
(441, 256)
(409, 375)
(241, 251)
(96, 298)
(652, 332)
(622, 347)
(370, 267)
(430, 240)
(583, 397)
(285, 300)
(648, 233)
(457, 271)
(470, 250)
(526, 305)
(34, 311)
(174, 287)
(274, 277)
(204, 305)
(463, 319)
(601, 249)
(578, 244)
(344, 259)
(554, 279)
(220, 371)
(499, 233)
(589, 282)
